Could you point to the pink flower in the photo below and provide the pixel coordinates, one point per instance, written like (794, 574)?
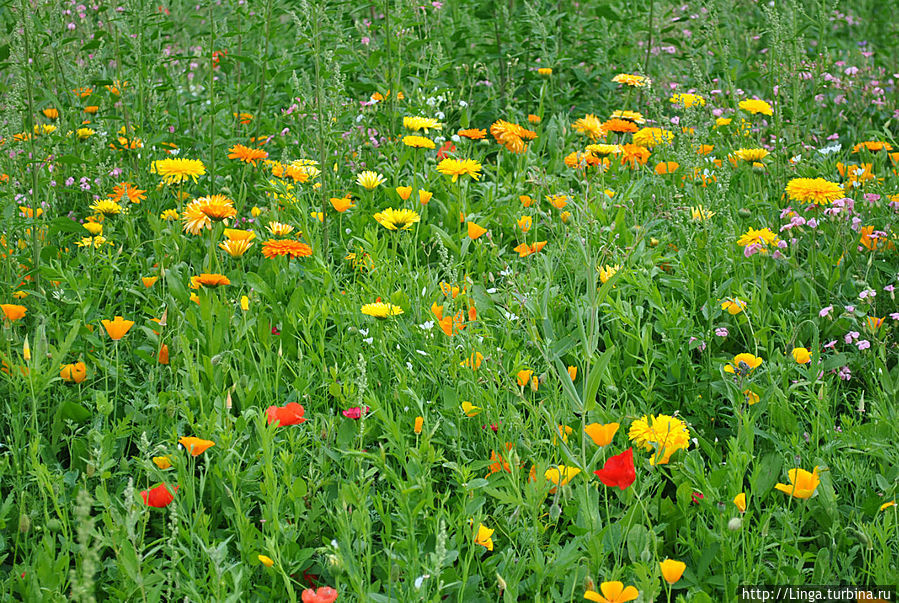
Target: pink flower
(825, 311)
(721, 332)
(356, 412)
(864, 344)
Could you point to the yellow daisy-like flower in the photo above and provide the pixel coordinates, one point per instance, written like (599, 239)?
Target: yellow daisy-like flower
(651, 137)
(627, 79)
(813, 190)
(607, 272)
(84, 133)
(418, 142)
(279, 229)
(397, 219)
(589, 125)
(381, 310)
(687, 100)
(235, 247)
(743, 364)
(663, 433)
(106, 207)
(756, 106)
(602, 150)
(751, 155)
(369, 180)
(177, 170)
(169, 215)
(94, 242)
(460, 167)
(762, 237)
(203, 211)
(634, 116)
(421, 123)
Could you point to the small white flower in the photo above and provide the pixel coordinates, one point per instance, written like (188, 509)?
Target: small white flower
(427, 326)
(455, 138)
(363, 332)
(440, 114)
(420, 579)
(462, 103)
(368, 340)
(422, 352)
(408, 365)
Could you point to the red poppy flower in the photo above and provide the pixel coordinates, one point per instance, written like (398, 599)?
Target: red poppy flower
(159, 497)
(618, 470)
(325, 594)
(289, 414)
(445, 150)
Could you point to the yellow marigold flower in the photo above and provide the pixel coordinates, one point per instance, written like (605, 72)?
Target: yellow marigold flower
(627, 79)
(602, 150)
(813, 190)
(418, 142)
(662, 433)
(751, 155)
(511, 136)
(169, 215)
(235, 247)
(589, 125)
(381, 310)
(687, 100)
(203, 211)
(545, 71)
(279, 229)
(84, 133)
(397, 219)
(163, 462)
(872, 146)
(421, 123)
(106, 207)
(723, 121)
(755, 106)
(700, 214)
(802, 483)
(459, 167)
(246, 154)
(208, 280)
(369, 180)
(634, 116)
(762, 237)
(620, 126)
(652, 137)
(177, 170)
(743, 364)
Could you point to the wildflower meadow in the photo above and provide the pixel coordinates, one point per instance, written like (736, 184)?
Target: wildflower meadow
(402, 300)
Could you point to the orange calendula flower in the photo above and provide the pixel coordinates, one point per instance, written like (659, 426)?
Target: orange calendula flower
(126, 190)
(117, 328)
(286, 247)
(472, 133)
(601, 434)
(208, 280)
(590, 126)
(195, 446)
(246, 154)
(802, 483)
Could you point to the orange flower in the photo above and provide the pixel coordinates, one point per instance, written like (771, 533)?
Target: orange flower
(666, 167)
(208, 280)
(498, 464)
(126, 189)
(288, 247)
(117, 328)
(424, 196)
(163, 356)
(473, 133)
(342, 204)
(246, 154)
(475, 231)
(523, 377)
(73, 373)
(525, 250)
(195, 446)
(13, 312)
(149, 281)
(526, 200)
(601, 434)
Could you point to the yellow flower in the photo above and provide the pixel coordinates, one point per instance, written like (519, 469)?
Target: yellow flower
(740, 502)
(524, 223)
(601, 434)
(662, 433)
(244, 303)
(564, 431)
(266, 561)
(558, 201)
(613, 592)
(342, 204)
(397, 219)
(700, 214)
(169, 215)
(421, 123)
(246, 154)
(424, 196)
(117, 328)
(627, 79)
(235, 247)
(743, 364)
(459, 167)
(545, 71)
(177, 170)
(591, 126)
(369, 180)
(195, 446)
(887, 505)
(475, 230)
(672, 570)
(751, 155)
(801, 356)
(419, 423)
(381, 310)
(483, 537)
(687, 100)
(607, 272)
(84, 133)
(404, 192)
(418, 142)
(106, 207)
(813, 190)
(572, 373)
(733, 306)
(163, 462)
(751, 397)
(279, 229)
(149, 281)
(802, 483)
(762, 237)
(634, 116)
(755, 106)
(561, 474)
(651, 137)
(470, 410)
(95, 228)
